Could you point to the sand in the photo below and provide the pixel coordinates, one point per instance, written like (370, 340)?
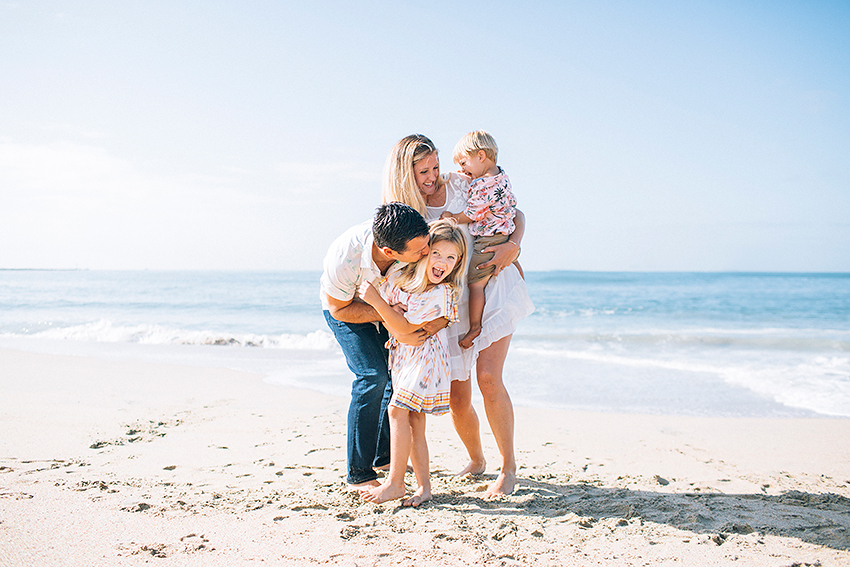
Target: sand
(128, 463)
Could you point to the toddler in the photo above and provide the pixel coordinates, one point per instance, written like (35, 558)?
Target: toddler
(490, 212)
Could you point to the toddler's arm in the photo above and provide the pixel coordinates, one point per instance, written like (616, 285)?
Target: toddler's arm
(460, 218)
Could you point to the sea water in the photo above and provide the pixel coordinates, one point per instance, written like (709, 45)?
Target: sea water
(724, 344)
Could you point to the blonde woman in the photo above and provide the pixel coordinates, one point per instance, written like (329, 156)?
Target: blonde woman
(412, 176)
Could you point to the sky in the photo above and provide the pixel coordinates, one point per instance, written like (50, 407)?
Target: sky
(652, 136)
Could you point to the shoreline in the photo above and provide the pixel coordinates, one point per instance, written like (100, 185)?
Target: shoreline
(118, 462)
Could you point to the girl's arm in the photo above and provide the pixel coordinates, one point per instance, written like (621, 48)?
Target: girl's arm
(403, 330)
(507, 253)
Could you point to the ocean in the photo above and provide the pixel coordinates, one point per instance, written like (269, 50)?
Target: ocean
(702, 344)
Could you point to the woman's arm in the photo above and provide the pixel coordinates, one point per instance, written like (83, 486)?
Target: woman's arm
(507, 253)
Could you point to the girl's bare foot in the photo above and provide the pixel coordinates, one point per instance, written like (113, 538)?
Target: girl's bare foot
(502, 486)
(466, 340)
(362, 485)
(382, 493)
(386, 468)
(473, 468)
(421, 495)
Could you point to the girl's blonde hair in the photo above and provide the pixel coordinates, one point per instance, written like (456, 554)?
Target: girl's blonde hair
(413, 278)
(473, 142)
(399, 180)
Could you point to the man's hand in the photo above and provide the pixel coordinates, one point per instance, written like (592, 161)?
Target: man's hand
(414, 338)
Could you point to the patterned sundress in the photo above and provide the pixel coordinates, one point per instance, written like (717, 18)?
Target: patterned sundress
(421, 375)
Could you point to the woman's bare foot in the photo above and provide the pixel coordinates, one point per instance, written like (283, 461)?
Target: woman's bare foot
(473, 468)
(383, 493)
(502, 486)
(421, 495)
(466, 340)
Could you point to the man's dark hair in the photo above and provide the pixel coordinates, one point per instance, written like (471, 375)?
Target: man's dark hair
(396, 224)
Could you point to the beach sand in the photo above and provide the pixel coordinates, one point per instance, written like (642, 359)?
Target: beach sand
(129, 463)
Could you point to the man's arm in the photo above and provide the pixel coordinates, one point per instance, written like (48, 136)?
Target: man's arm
(352, 311)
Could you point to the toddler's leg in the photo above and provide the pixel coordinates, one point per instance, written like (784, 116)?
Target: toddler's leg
(400, 441)
(421, 461)
(476, 311)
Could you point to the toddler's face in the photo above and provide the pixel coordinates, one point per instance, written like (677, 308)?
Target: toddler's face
(442, 260)
(474, 165)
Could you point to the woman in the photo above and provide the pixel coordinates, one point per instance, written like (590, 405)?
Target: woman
(412, 176)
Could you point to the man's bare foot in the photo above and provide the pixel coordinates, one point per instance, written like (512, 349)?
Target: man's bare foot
(382, 493)
(473, 468)
(466, 340)
(361, 485)
(502, 486)
(421, 495)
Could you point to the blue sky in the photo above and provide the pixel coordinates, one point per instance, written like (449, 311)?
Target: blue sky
(222, 135)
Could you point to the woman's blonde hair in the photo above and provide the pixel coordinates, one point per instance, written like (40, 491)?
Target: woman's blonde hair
(399, 180)
(473, 142)
(413, 278)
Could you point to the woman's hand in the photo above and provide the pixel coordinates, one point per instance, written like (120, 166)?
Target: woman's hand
(503, 256)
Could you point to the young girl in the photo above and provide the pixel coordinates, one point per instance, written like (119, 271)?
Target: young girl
(421, 375)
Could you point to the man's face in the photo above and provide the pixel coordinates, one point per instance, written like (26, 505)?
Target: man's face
(416, 249)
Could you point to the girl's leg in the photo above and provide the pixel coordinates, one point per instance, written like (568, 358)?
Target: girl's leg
(400, 442)
(476, 311)
(500, 412)
(421, 461)
(465, 421)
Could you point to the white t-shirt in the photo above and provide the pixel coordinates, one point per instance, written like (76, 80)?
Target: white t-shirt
(348, 263)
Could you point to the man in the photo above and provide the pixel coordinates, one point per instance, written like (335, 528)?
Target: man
(366, 252)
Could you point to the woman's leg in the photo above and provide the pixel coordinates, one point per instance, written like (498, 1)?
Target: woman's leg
(500, 412)
(400, 442)
(465, 421)
(421, 460)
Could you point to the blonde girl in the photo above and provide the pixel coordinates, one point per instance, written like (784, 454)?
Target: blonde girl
(430, 289)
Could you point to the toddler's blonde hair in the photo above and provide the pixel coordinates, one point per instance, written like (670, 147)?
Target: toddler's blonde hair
(473, 142)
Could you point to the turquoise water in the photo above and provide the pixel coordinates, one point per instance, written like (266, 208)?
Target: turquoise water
(681, 343)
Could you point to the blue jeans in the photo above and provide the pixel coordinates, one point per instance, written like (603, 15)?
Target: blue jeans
(368, 424)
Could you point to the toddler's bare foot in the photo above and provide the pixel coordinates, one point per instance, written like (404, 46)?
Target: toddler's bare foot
(502, 486)
(421, 495)
(473, 468)
(466, 340)
(382, 493)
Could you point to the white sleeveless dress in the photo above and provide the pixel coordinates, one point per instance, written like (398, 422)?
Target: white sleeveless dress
(507, 299)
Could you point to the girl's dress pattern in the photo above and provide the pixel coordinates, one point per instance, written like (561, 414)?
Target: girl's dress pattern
(421, 375)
